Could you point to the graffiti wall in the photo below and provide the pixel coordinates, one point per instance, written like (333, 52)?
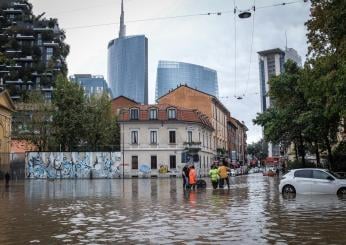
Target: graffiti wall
(56, 165)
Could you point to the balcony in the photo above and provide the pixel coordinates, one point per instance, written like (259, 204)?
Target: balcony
(192, 146)
(24, 59)
(11, 51)
(47, 88)
(45, 74)
(21, 5)
(51, 44)
(23, 37)
(14, 66)
(42, 29)
(19, 81)
(13, 11)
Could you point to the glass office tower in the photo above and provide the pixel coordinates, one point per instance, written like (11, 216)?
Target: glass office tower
(91, 84)
(128, 65)
(171, 74)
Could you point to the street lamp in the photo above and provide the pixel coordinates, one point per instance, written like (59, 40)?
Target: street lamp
(123, 136)
(244, 15)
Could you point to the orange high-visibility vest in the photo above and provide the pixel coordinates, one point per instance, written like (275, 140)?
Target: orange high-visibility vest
(192, 176)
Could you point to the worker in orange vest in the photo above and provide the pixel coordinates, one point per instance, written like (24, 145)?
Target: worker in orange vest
(192, 177)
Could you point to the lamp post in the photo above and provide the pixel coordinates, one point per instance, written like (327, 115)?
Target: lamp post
(123, 140)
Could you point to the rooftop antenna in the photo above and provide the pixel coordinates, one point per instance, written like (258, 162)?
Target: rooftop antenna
(122, 31)
(286, 40)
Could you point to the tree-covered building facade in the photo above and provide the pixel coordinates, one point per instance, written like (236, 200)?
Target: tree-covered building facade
(32, 50)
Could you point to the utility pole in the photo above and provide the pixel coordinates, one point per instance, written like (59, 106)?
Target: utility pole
(123, 139)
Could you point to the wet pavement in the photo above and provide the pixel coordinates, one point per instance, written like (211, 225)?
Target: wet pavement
(157, 211)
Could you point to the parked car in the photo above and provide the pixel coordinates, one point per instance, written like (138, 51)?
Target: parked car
(252, 171)
(232, 172)
(312, 181)
(341, 174)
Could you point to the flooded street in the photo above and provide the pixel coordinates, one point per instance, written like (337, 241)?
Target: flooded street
(157, 211)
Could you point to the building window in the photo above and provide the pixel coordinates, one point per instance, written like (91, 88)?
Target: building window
(49, 53)
(134, 114)
(172, 162)
(189, 136)
(153, 137)
(153, 162)
(134, 162)
(134, 137)
(39, 40)
(172, 137)
(172, 114)
(153, 114)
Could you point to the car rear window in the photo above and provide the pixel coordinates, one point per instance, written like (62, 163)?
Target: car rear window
(303, 174)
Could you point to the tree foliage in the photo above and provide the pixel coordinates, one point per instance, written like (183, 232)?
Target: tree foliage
(82, 123)
(35, 121)
(69, 114)
(309, 103)
(258, 150)
(101, 125)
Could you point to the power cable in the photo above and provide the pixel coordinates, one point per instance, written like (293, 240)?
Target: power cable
(175, 17)
(251, 46)
(149, 19)
(235, 48)
(280, 4)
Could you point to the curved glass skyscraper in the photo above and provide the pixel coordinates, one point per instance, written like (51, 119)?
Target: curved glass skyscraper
(171, 74)
(128, 65)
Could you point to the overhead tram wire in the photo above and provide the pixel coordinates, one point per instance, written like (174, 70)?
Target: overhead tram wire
(178, 16)
(251, 47)
(281, 4)
(235, 48)
(150, 19)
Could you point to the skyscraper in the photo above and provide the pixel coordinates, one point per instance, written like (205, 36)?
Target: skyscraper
(171, 74)
(271, 63)
(128, 64)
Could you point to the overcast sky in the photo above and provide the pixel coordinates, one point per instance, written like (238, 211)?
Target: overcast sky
(203, 40)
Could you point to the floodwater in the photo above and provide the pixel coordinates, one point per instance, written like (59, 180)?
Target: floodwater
(157, 211)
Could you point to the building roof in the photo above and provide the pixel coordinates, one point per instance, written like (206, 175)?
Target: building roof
(126, 98)
(271, 51)
(6, 101)
(239, 123)
(214, 98)
(232, 121)
(22, 146)
(182, 114)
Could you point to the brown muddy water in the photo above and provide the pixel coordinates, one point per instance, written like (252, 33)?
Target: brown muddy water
(158, 211)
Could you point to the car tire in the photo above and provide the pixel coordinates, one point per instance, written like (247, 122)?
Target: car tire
(341, 191)
(288, 189)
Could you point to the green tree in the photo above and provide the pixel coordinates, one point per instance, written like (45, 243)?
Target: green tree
(326, 68)
(69, 116)
(327, 28)
(101, 126)
(40, 121)
(258, 150)
(282, 122)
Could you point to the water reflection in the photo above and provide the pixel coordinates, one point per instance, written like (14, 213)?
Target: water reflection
(159, 211)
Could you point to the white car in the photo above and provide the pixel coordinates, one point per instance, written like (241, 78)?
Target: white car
(312, 181)
(233, 172)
